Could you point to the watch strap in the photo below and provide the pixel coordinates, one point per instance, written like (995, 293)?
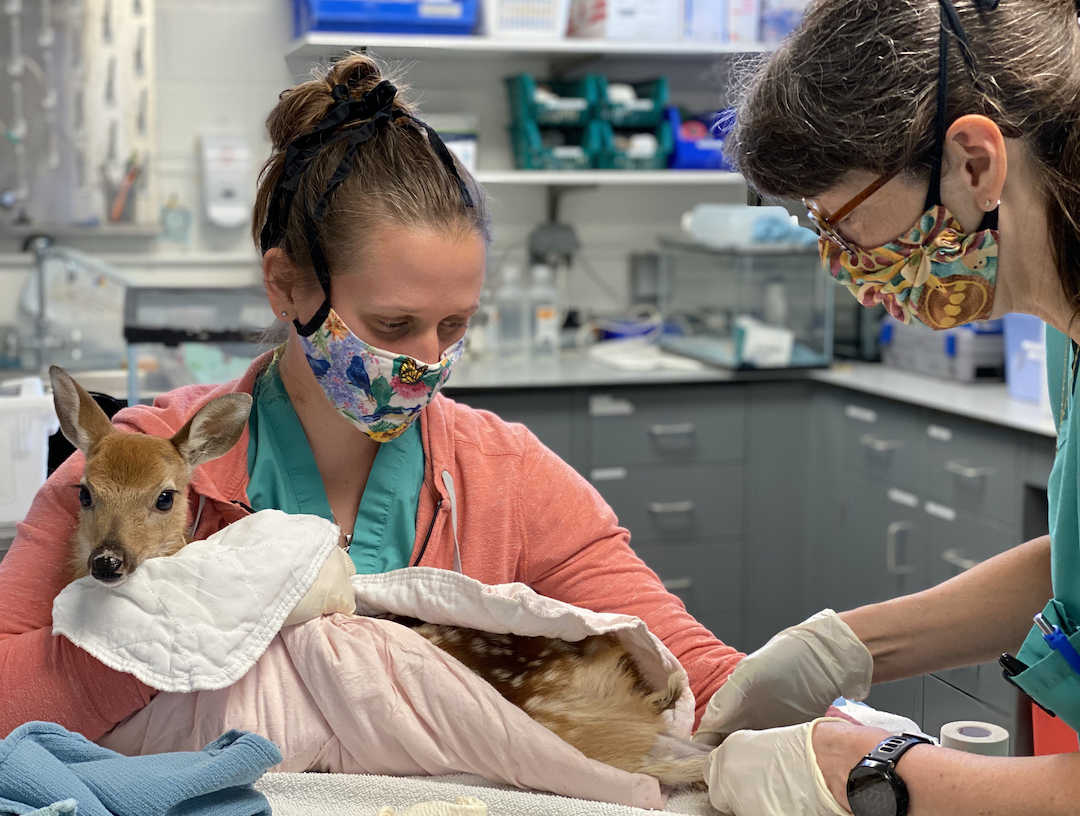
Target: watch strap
(891, 749)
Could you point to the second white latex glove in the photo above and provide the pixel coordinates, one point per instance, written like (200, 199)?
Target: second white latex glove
(791, 679)
(332, 591)
(770, 773)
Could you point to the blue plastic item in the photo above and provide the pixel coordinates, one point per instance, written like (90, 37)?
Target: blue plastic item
(1025, 356)
(700, 154)
(457, 17)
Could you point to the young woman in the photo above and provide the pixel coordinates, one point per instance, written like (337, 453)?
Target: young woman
(955, 125)
(374, 241)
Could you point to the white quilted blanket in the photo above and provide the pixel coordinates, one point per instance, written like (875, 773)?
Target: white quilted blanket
(342, 693)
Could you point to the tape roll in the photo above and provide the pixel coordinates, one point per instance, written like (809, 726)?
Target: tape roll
(975, 738)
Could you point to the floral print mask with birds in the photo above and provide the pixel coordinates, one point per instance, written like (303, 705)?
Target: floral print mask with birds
(379, 392)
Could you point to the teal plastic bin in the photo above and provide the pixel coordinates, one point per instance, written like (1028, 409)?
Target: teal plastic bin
(613, 155)
(573, 107)
(574, 149)
(645, 112)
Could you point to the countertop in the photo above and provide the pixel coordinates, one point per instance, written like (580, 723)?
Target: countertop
(987, 402)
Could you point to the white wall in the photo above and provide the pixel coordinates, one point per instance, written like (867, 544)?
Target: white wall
(220, 68)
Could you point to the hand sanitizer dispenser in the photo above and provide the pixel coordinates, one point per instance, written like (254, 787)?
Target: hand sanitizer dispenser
(226, 170)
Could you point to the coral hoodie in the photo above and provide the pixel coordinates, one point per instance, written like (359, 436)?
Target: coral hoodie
(519, 513)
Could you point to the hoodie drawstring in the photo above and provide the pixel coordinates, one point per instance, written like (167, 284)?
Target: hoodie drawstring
(448, 482)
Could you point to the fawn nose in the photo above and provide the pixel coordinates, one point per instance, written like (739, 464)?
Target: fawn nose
(107, 564)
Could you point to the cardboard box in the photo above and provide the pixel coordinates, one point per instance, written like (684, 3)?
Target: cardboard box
(662, 20)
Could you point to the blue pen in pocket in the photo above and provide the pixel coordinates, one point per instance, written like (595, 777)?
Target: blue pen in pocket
(1058, 641)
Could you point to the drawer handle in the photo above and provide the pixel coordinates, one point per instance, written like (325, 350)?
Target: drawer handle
(660, 508)
(968, 472)
(675, 584)
(678, 429)
(953, 557)
(879, 445)
(891, 564)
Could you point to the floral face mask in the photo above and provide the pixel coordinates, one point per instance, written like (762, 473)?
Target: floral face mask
(934, 272)
(379, 392)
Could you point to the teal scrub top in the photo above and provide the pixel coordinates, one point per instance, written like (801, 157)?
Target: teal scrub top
(283, 475)
(1050, 680)
(1064, 485)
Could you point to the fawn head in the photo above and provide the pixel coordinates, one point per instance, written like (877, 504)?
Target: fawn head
(134, 486)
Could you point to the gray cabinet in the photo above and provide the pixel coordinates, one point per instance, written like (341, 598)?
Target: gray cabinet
(914, 498)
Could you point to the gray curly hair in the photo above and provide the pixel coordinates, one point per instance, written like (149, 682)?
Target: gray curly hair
(855, 88)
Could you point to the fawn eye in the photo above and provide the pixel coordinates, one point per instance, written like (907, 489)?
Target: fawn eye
(84, 496)
(165, 501)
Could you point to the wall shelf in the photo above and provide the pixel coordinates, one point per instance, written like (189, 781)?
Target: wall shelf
(604, 178)
(317, 45)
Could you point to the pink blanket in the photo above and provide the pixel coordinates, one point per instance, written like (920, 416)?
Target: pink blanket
(349, 694)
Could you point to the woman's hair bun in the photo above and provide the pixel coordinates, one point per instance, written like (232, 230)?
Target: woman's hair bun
(303, 106)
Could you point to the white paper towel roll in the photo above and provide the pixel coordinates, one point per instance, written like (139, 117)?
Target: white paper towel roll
(975, 738)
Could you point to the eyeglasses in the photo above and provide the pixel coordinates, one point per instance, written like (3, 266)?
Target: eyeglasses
(826, 224)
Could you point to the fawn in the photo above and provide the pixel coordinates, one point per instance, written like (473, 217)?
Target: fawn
(591, 693)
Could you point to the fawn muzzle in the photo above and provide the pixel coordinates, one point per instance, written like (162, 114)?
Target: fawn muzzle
(108, 564)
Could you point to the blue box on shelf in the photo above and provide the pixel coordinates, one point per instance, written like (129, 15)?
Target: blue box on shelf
(457, 17)
(699, 140)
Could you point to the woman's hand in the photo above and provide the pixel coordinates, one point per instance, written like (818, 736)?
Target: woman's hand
(790, 770)
(791, 679)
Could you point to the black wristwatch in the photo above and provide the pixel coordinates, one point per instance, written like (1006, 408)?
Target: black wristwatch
(873, 787)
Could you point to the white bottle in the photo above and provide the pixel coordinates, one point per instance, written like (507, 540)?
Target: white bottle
(544, 311)
(513, 305)
(482, 338)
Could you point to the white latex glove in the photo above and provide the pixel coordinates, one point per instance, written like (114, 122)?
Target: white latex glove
(791, 679)
(771, 773)
(332, 591)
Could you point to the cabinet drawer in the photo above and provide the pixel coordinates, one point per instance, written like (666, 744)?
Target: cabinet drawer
(670, 503)
(883, 441)
(705, 574)
(973, 468)
(637, 427)
(944, 704)
(956, 542)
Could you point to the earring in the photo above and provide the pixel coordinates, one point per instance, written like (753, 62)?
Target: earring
(987, 204)
(285, 314)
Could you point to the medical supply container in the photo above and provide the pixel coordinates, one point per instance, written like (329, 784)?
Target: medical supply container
(974, 352)
(388, 16)
(698, 139)
(752, 306)
(551, 102)
(555, 148)
(543, 311)
(631, 104)
(633, 149)
(27, 420)
(540, 19)
(514, 321)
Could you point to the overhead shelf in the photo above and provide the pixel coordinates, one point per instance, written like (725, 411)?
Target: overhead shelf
(321, 44)
(596, 178)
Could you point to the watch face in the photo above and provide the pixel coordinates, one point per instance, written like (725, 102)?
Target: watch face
(871, 792)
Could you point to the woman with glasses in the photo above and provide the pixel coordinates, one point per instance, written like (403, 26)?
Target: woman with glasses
(936, 145)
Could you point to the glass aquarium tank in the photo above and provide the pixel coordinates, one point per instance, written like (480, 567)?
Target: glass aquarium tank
(757, 306)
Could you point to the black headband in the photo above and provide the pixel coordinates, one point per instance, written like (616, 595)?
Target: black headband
(374, 108)
(951, 20)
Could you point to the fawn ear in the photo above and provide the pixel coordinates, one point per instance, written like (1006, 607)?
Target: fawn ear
(214, 429)
(81, 419)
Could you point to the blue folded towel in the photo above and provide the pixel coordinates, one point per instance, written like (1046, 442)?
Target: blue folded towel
(47, 770)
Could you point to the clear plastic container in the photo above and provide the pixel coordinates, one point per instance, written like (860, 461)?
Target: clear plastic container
(513, 304)
(544, 311)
